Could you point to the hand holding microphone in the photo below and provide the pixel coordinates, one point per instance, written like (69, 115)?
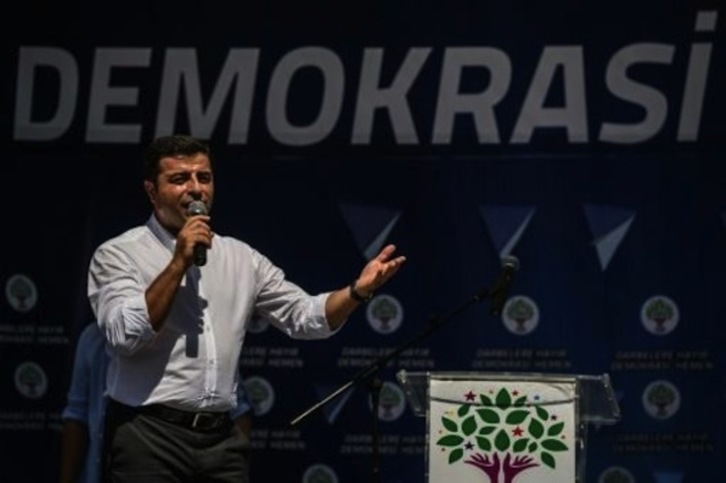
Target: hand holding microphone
(198, 207)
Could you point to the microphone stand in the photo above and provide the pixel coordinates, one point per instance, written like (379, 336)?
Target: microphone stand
(370, 373)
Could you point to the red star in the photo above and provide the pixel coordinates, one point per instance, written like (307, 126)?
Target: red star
(517, 431)
(469, 396)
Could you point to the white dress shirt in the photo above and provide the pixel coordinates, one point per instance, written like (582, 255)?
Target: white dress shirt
(191, 363)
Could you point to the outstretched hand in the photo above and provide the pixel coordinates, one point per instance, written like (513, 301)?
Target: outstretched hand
(379, 270)
(341, 303)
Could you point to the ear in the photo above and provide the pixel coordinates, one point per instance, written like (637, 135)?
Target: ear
(150, 189)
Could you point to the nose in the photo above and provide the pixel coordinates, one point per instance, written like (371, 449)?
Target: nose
(194, 186)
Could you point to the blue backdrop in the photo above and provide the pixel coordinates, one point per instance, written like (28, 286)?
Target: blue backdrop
(586, 140)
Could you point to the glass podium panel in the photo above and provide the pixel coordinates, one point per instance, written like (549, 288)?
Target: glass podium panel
(505, 423)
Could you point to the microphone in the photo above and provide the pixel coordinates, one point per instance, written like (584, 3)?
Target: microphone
(198, 207)
(510, 264)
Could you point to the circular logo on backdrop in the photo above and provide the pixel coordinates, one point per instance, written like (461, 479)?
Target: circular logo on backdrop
(520, 315)
(21, 293)
(30, 380)
(661, 399)
(384, 314)
(260, 393)
(659, 315)
(392, 402)
(319, 473)
(616, 474)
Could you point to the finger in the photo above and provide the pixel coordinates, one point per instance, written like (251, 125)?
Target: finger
(387, 251)
(395, 263)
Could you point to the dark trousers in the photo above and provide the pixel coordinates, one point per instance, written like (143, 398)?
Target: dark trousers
(140, 447)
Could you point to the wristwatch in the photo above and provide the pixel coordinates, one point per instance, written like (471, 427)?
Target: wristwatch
(355, 295)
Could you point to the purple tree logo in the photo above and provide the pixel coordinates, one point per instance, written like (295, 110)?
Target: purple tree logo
(503, 437)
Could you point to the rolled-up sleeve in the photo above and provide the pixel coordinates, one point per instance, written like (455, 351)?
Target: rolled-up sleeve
(287, 306)
(117, 296)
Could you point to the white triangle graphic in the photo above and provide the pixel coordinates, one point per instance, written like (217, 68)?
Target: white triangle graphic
(512, 242)
(375, 246)
(606, 245)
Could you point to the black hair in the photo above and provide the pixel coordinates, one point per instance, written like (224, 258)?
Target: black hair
(174, 145)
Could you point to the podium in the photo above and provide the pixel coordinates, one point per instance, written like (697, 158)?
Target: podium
(513, 427)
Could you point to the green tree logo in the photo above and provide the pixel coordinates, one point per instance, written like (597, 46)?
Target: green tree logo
(384, 314)
(319, 473)
(503, 437)
(659, 315)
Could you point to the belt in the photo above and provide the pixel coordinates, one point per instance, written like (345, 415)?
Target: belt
(198, 421)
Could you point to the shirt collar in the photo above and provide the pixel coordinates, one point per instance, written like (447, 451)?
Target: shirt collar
(161, 233)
